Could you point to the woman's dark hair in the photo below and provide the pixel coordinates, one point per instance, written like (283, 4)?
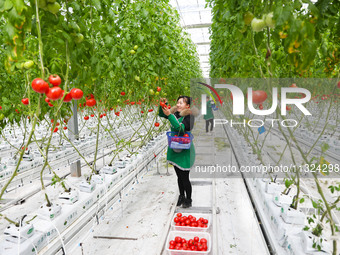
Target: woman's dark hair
(186, 99)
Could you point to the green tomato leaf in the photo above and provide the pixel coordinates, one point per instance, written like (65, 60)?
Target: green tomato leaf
(5, 5)
(19, 5)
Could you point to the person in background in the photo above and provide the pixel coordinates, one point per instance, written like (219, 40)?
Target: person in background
(182, 119)
(209, 117)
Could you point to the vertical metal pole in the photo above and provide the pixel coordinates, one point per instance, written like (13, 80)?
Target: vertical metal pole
(167, 169)
(73, 134)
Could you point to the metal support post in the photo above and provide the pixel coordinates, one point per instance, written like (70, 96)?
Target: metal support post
(73, 134)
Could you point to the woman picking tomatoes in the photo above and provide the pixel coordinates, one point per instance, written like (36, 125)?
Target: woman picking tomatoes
(182, 119)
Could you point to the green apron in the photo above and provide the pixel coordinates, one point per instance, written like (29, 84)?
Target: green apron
(186, 158)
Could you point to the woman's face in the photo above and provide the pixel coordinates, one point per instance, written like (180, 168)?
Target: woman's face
(181, 105)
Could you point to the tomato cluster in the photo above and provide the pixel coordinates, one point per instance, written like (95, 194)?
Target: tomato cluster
(195, 244)
(190, 221)
(54, 93)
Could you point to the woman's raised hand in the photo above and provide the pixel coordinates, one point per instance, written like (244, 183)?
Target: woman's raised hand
(163, 100)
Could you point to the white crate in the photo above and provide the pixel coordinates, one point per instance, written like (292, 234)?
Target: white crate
(188, 235)
(187, 228)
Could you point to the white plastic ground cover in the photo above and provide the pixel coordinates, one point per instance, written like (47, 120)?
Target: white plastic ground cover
(192, 229)
(71, 212)
(188, 235)
(30, 169)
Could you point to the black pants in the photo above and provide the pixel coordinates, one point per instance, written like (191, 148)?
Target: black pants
(207, 125)
(183, 182)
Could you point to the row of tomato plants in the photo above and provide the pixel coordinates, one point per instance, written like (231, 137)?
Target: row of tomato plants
(326, 111)
(119, 51)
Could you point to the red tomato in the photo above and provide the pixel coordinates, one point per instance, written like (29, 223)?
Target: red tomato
(339, 84)
(40, 86)
(178, 239)
(150, 110)
(47, 100)
(159, 89)
(162, 104)
(186, 135)
(91, 102)
(179, 215)
(57, 124)
(86, 117)
(0, 107)
(54, 93)
(157, 124)
(259, 96)
(50, 105)
(169, 107)
(76, 93)
(67, 98)
(54, 80)
(196, 239)
(203, 240)
(65, 128)
(293, 85)
(187, 222)
(101, 116)
(288, 108)
(122, 93)
(25, 101)
(205, 221)
(261, 107)
(55, 130)
(142, 112)
(171, 247)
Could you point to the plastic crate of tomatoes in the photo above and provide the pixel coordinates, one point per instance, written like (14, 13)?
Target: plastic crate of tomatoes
(179, 142)
(185, 242)
(191, 222)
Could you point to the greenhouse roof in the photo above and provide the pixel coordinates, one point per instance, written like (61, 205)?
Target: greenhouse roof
(196, 20)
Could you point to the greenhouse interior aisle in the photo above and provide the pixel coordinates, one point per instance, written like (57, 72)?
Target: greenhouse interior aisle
(139, 222)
